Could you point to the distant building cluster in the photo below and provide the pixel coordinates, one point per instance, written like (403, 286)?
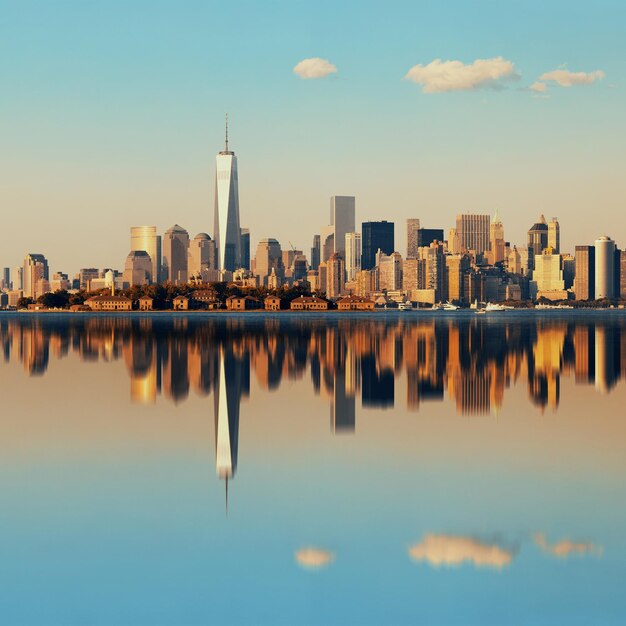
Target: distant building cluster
(473, 263)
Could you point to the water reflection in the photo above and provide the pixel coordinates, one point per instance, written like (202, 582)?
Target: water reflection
(471, 360)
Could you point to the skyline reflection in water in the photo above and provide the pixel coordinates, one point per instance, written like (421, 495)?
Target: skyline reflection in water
(457, 455)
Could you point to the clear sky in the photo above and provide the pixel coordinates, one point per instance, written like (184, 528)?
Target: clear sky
(111, 114)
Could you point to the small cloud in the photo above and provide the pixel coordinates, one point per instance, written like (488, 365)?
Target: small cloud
(566, 547)
(314, 558)
(565, 78)
(450, 550)
(439, 76)
(314, 68)
(539, 87)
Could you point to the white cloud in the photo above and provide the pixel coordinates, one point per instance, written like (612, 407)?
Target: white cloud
(566, 547)
(314, 68)
(539, 87)
(439, 76)
(314, 558)
(450, 550)
(565, 78)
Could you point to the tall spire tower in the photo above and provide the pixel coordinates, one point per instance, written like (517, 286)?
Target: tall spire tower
(227, 232)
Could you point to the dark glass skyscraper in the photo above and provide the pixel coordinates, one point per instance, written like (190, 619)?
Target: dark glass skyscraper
(425, 236)
(376, 236)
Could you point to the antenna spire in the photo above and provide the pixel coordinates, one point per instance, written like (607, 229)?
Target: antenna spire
(226, 132)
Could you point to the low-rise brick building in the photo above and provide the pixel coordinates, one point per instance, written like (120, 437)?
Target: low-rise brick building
(243, 303)
(109, 303)
(355, 303)
(309, 303)
(272, 303)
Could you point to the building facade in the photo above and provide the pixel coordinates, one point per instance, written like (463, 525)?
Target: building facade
(473, 232)
(175, 255)
(145, 238)
(375, 236)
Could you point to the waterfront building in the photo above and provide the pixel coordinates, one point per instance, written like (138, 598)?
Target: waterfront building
(375, 236)
(412, 227)
(496, 240)
(537, 240)
(569, 270)
(355, 303)
(457, 265)
(308, 303)
(227, 230)
(202, 257)
(315, 252)
(342, 219)
(137, 269)
(335, 276)
(145, 238)
(554, 235)
(268, 260)
(389, 271)
(109, 303)
(473, 232)
(175, 255)
(18, 278)
(180, 303)
(585, 275)
(353, 254)
(245, 248)
(35, 269)
(548, 275)
(605, 268)
(272, 303)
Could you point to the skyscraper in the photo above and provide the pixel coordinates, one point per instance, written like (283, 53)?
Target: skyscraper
(268, 257)
(175, 254)
(426, 236)
(145, 238)
(138, 268)
(353, 254)
(605, 267)
(473, 232)
(6, 278)
(335, 281)
(412, 226)
(35, 269)
(342, 212)
(554, 235)
(245, 248)
(389, 271)
(376, 236)
(537, 240)
(315, 252)
(585, 276)
(201, 257)
(496, 240)
(227, 230)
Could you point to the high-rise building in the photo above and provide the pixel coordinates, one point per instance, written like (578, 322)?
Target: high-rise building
(605, 267)
(175, 254)
(554, 235)
(138, 268)
(548, 272)
(431, 270)
(35, 269)
(375, 236)
(426, 236)
(389, 271)
(6, 278)
(327, 242)
(18, 278)
(227, 230)
(537, 240)
(457, 265)
(409, 275)
(86, 274)
(342, 216)
(245, 248)
(454, 244)
(496, 240)
(202, 257)
(335, 276)
(473, 232)
(268, 258)
(145, 238)
(353, 254)
(315, 252)
(412, 226)
(622, 275)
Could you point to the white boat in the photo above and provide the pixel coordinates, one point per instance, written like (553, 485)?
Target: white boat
(553, 306)
(448, 306)
(405, 306)
(437, 307)
(492, 307)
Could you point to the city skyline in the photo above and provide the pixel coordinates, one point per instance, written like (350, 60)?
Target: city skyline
(147, 160)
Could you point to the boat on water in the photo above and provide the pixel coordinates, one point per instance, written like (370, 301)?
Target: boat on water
(405, 306)
(558, 307)
(494, 307)
(445, 306)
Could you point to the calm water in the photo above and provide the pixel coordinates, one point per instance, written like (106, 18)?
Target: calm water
(386, 468)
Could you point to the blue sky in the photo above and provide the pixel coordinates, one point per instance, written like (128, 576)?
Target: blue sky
(111, 113)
